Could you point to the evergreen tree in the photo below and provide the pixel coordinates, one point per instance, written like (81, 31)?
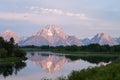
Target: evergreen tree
(1, 42)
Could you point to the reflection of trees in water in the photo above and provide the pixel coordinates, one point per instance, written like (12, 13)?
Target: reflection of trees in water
(98, 59)
(93, 59)
(7, 69)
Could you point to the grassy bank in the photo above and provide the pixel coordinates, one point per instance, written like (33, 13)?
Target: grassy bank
(78, 53)
(109, 72)
(89, 53)
(31, 49)
(12, 59)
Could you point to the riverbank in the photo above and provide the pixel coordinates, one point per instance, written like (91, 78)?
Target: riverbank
(12, 59)
(77, 53)
(109, 72)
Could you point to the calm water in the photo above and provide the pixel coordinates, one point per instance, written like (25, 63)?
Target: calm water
(46, 65)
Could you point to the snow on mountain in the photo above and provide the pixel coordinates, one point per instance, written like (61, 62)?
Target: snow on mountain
(86, 41)
(103, 39)
(51, 31)
(54, 36)
(73, 40)
(34, 40)
(50, 35)
(8, 34)
(117, 39)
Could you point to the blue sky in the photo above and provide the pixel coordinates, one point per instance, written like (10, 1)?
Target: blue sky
(83, 18)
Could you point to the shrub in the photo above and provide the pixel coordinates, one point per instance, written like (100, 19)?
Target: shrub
(3, 52)
(109, 72)
(19, 53)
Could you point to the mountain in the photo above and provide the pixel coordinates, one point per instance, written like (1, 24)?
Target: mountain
(73, 40)
(117, 39)
(54, 36)
(103, 39)
(86, 41)
(8, 34)
(51, 35)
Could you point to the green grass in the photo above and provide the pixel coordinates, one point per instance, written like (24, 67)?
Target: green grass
(31, 49)
(80, 52)
(75, 52)
(109, 72)
(12, 59)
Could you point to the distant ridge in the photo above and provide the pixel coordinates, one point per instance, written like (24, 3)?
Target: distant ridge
(103, 39)
(8, 34)
(53, 35)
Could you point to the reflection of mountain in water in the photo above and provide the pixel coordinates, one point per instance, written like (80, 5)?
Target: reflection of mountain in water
(50, 63)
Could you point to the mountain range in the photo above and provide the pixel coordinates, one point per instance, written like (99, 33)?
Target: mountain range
(54, 36)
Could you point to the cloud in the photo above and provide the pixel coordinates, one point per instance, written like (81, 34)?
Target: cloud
(40, 10)
(31, 17)
(39, 15)
(53, 11)
(45, 10)
(45, 15)
(13, 16)
(52, 19)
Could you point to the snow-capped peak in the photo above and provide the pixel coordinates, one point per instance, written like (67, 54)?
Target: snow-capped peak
(102, 39)
(8, 34)
(51, 35)
(51, 31)
(53, 28)
(8, 31)
(103, 35)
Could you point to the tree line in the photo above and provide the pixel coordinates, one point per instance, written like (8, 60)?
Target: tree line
(10, 49)
(85, 48)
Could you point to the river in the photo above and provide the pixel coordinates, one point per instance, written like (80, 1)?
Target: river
(48, 65)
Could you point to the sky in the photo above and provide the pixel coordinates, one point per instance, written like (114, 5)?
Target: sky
(82, 18)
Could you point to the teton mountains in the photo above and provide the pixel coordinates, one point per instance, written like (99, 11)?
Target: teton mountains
(54, 36)
(8, 34)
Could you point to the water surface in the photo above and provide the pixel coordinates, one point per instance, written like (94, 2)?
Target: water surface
(47, 65)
